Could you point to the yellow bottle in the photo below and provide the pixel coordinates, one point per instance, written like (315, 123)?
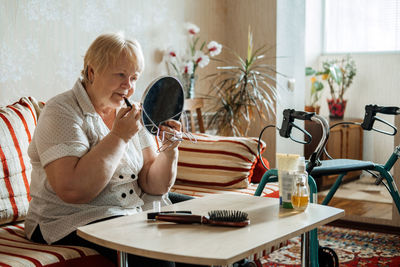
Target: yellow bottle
(300, 194)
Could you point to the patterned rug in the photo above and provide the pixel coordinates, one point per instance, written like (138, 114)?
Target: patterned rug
(353, 247)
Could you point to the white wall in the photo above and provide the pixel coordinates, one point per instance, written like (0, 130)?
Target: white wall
(43, 42)
(313, 35)
(291, 62)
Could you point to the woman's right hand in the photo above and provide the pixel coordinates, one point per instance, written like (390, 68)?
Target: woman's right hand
(127, 122)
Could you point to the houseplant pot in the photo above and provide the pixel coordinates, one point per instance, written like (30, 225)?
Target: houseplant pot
(312, 109)
(336, 108)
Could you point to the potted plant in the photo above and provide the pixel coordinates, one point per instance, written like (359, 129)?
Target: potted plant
(244, 87)
(339, 74)
(316, 91)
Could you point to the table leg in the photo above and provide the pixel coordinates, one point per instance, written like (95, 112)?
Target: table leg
(305, 249)
(122, 259)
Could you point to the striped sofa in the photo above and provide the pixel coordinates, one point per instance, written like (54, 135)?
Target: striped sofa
(17, 123)
(226, 164)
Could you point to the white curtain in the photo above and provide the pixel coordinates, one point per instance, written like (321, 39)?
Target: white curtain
(361, 26)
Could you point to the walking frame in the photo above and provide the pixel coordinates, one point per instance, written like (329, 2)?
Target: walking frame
(317, 167)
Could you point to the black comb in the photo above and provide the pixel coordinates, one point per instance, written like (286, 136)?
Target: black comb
(216, 217)
(228, 215)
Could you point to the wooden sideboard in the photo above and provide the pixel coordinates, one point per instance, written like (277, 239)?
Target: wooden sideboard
(345, 141)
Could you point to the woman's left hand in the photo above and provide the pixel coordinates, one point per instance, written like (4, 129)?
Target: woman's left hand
(159, 169)
(170, 134)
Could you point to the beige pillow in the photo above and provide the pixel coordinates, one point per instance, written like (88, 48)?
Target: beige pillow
(217, 161)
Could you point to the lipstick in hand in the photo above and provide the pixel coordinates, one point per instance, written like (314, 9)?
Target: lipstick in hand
(127, 102)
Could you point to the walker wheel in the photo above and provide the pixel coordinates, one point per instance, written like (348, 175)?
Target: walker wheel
(327, 257)
(247, 263)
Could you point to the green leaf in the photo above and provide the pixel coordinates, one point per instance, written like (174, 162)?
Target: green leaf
(310, 71)
(249, 44)
(202, 46)
(228, 68)
(193, 47)
(318, 86)
(336, 73)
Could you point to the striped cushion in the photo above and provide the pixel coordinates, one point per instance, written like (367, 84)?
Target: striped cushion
(217, 161)
(17, 123)
(16, 250)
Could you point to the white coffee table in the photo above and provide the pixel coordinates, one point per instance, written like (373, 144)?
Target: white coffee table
(205, 244)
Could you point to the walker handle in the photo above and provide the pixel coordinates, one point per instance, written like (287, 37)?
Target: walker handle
(289, 115)
(370, 118)
(389, 110)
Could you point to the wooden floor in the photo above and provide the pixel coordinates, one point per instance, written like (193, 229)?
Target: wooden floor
(363, 209)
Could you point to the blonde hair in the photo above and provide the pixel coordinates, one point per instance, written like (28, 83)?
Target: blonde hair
(105, 51)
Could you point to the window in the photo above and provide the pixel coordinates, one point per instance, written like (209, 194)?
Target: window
(361, 26)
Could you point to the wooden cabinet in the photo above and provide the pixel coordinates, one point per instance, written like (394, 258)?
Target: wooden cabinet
(345, 141)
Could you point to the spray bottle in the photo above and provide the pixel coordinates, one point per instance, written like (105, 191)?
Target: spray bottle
(301, 192)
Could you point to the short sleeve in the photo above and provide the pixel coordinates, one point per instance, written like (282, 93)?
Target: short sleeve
(59, 133)
(146, 139)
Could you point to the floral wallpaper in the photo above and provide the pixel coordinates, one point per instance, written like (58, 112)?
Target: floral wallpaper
(43, 42)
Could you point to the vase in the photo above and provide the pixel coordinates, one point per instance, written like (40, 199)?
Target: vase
(336, 108)
(189, 86)
(190, 93)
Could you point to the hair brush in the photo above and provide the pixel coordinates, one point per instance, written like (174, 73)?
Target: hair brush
(216, 217)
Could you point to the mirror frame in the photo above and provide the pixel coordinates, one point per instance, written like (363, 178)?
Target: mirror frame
(179, 102)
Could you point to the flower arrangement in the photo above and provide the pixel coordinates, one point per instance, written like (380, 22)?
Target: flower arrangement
(197, 55)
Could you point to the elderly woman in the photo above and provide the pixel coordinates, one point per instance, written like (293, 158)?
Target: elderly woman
(92, 160)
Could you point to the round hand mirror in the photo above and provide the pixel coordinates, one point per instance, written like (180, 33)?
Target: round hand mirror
(162, 100)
